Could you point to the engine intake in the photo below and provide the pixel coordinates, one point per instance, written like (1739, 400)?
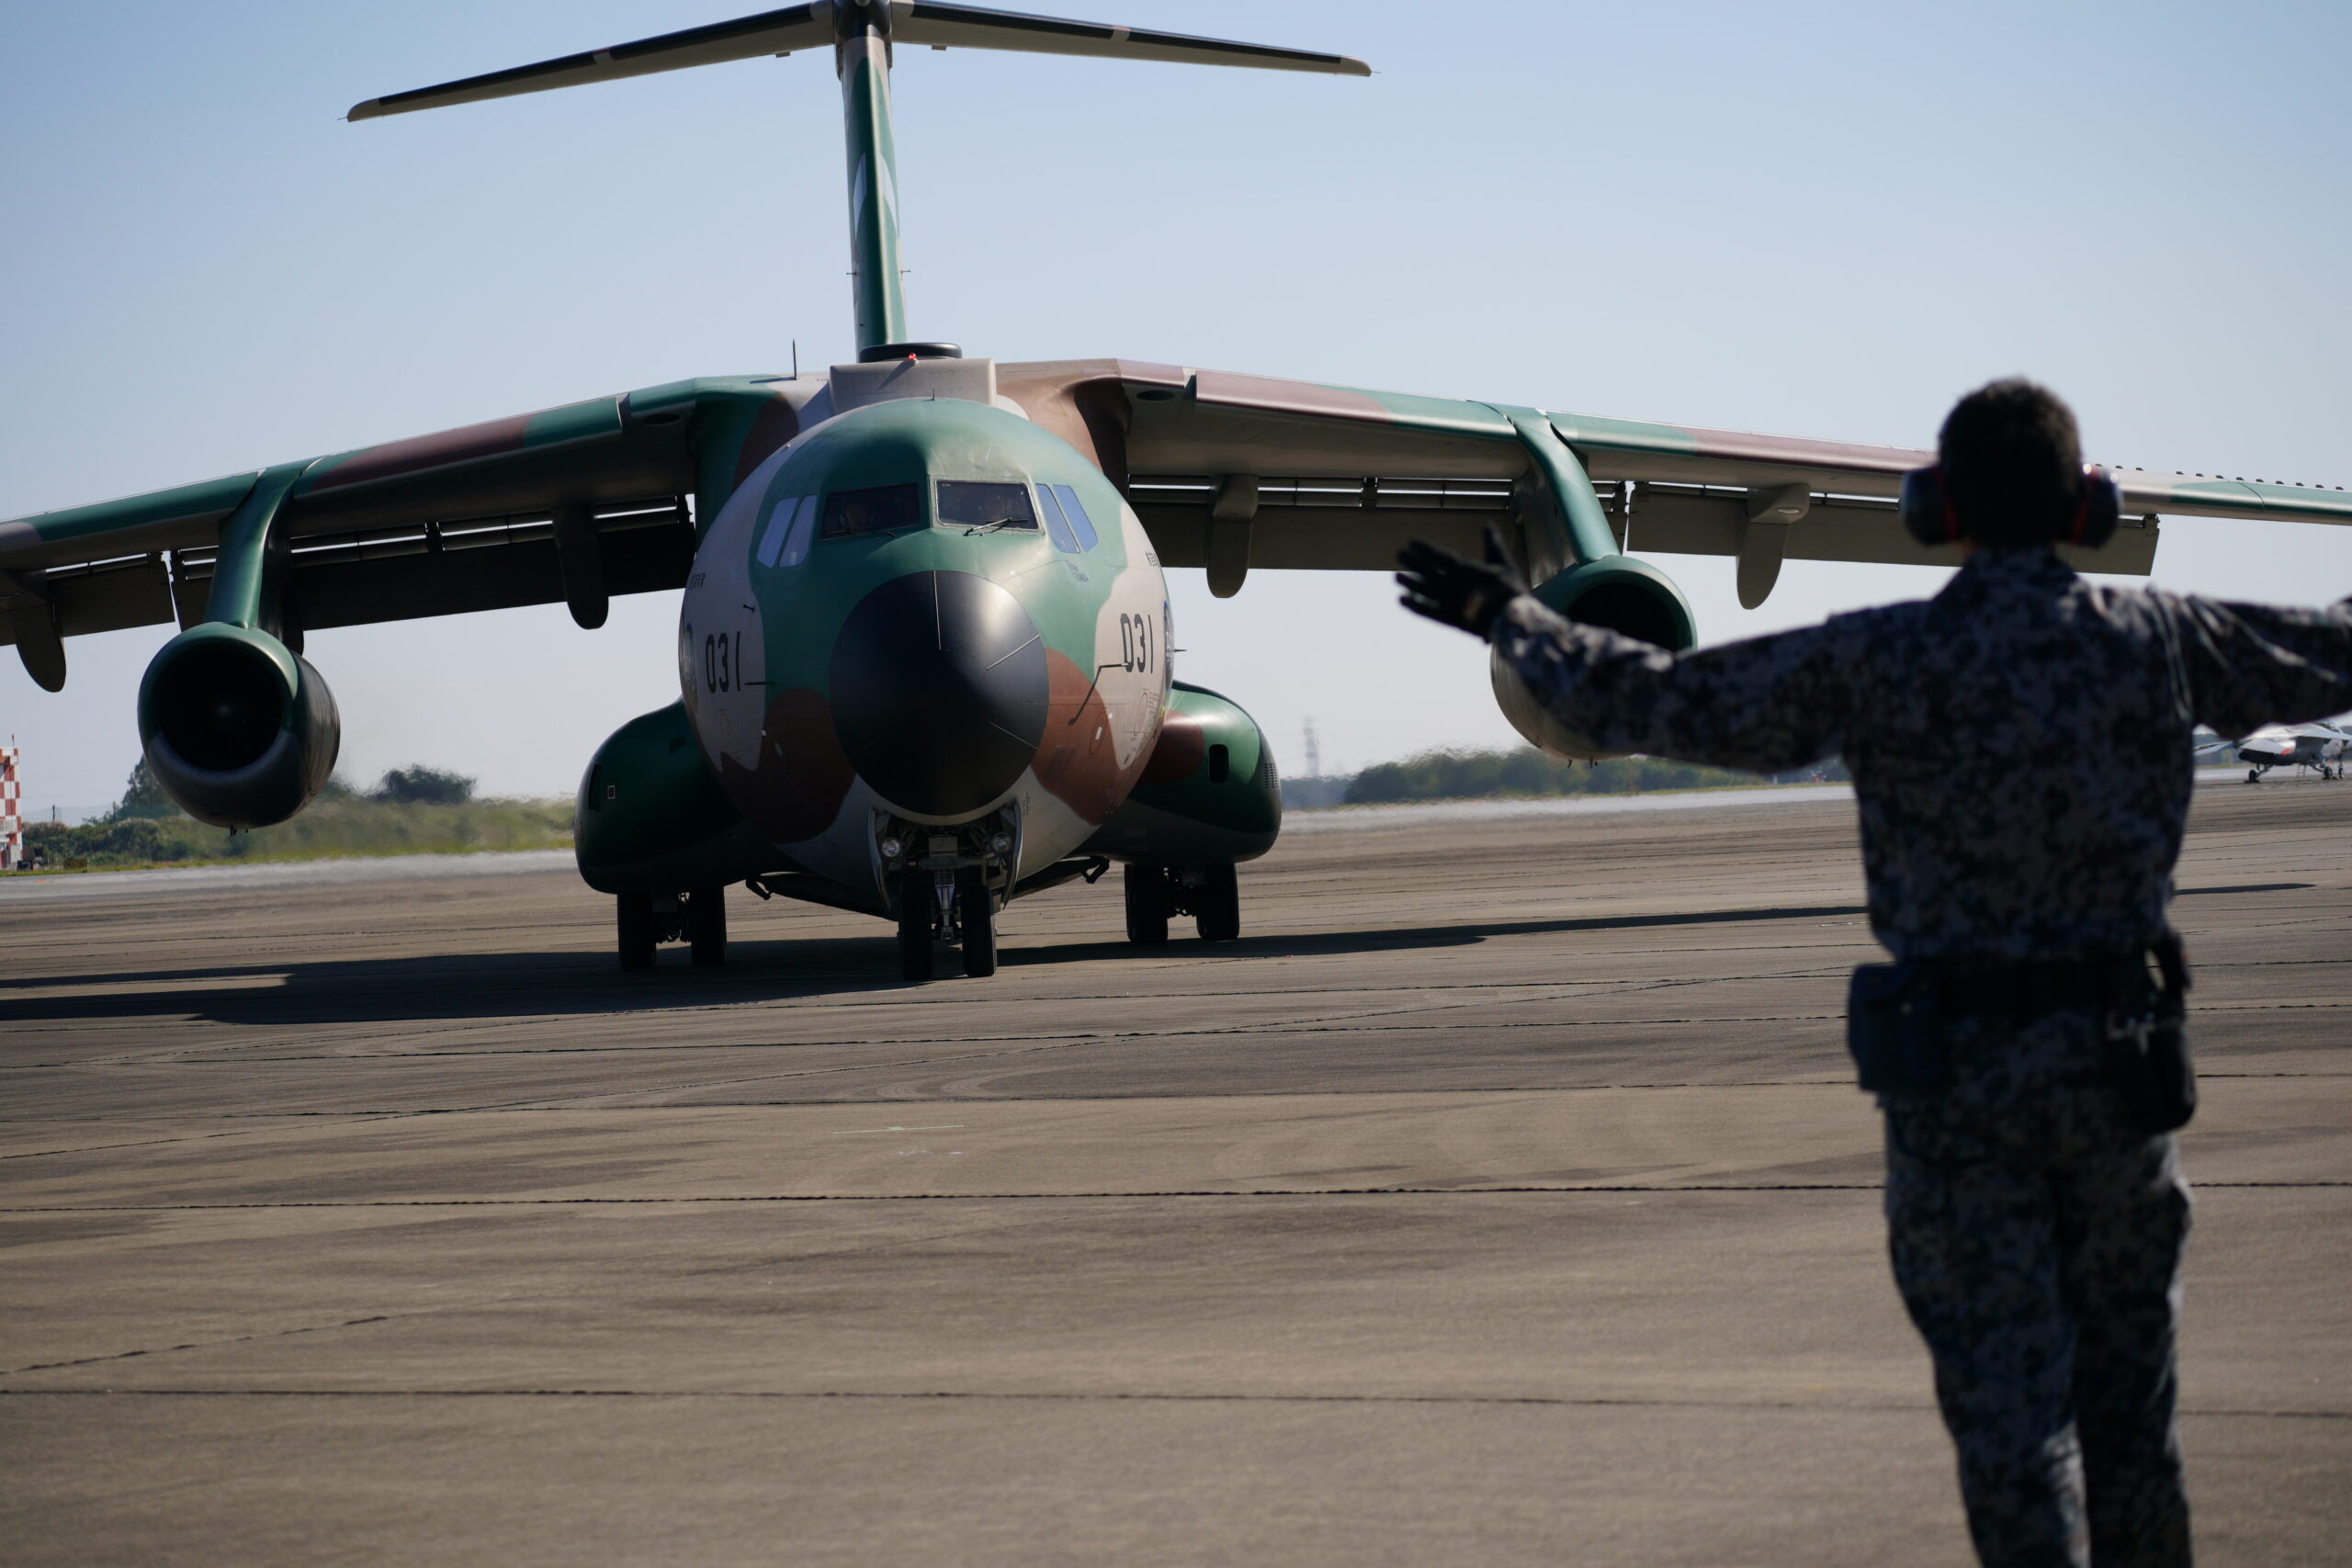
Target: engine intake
(1622, 593)
(239, 729)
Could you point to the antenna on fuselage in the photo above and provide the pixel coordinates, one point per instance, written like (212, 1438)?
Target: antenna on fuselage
(861, 33)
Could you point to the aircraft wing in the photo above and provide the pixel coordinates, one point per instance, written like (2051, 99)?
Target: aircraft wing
(464, 519)
(1345, 475)
(1326, 478)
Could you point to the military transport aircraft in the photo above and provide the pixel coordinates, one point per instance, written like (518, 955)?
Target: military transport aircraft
(923, 651)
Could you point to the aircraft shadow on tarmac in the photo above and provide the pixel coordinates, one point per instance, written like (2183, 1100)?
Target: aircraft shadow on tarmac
(538, 984)
(526, 984)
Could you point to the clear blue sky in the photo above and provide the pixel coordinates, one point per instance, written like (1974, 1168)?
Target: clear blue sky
(1815, 219)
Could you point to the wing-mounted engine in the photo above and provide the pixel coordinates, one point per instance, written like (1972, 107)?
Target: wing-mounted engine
(1623, 593)
(239, 728)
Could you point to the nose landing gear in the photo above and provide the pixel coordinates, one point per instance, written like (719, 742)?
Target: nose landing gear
(937, 907)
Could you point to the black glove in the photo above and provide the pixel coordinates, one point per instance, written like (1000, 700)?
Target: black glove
(1442, 585)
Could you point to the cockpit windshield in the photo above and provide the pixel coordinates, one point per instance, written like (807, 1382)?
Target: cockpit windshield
(974, 505)
(883, 509)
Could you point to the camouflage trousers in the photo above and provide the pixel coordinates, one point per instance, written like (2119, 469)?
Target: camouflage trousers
(2036, 1239)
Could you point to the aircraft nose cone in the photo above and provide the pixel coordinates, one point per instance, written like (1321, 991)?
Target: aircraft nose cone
(939, 691)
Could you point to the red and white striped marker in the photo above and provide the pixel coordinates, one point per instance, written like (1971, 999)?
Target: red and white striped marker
(12, 825)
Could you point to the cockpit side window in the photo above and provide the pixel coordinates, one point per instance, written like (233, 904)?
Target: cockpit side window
(990, 505)
(1080, 523)
(883, 509)
(1057, 525)
(785, 542)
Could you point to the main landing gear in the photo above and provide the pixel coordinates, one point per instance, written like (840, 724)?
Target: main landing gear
(698, 917)
(1211, 895)
(937, 907)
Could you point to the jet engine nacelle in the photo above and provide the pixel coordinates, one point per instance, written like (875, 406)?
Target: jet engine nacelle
(239, 729)
(1621, 593)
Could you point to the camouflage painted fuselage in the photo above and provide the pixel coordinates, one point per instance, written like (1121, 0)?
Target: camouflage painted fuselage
(867, 660)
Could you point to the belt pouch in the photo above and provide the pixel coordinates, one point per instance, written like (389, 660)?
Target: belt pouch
(2147, 1042)
(1894, 1027)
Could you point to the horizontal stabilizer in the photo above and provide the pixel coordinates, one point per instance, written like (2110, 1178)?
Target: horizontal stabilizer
(746, 37)
(912, 22)
(969, 26)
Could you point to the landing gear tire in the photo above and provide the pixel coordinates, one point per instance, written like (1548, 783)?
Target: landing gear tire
(637, 934)
(914, 926)
(1216, 906)
(1146, 888)
(975, 918)
(706, 926)
(2254, 775)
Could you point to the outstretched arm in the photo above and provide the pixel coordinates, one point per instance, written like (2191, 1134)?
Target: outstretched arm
(1766, 705)
(2249, 665)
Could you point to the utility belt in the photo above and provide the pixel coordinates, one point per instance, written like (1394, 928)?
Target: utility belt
(1897, 1018)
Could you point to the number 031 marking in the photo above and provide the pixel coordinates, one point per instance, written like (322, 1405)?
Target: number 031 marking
(1137, 652)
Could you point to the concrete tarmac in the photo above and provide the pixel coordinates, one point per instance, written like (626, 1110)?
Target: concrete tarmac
(1500, 1197)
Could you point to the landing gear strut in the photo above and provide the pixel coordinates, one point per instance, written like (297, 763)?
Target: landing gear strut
(1211, 895)
(698, 917)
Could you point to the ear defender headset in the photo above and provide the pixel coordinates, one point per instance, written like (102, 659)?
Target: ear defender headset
(1929, 516)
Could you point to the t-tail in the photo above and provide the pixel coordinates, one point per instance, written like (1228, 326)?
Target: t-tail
(861, 34)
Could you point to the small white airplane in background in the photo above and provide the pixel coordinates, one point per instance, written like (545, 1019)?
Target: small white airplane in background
(2321, 745)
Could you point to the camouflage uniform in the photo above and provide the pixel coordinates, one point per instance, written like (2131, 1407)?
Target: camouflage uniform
(2020, 747)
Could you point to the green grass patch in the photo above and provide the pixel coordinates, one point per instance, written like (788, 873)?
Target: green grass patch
(327, 830)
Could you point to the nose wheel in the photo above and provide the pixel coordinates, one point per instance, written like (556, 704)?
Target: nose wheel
(916, 922)
(976, 919)
(933, 910)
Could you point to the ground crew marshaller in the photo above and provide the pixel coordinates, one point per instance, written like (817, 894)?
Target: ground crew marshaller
(2026, 1043)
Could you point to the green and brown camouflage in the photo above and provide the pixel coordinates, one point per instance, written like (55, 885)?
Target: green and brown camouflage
(801, 612)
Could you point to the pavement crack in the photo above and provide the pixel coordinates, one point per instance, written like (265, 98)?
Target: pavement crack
(1084, 1396)
(195, 1345)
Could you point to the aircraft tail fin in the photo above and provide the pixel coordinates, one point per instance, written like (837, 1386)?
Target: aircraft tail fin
(810, 25)
(861, 34)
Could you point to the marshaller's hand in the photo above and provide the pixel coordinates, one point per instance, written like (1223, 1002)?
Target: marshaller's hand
(1444, 587)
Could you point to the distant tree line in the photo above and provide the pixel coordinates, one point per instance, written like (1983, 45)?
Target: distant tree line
(145, 826)
(1472, 775)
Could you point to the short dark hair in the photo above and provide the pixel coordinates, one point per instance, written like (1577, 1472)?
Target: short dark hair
(2013, 463)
